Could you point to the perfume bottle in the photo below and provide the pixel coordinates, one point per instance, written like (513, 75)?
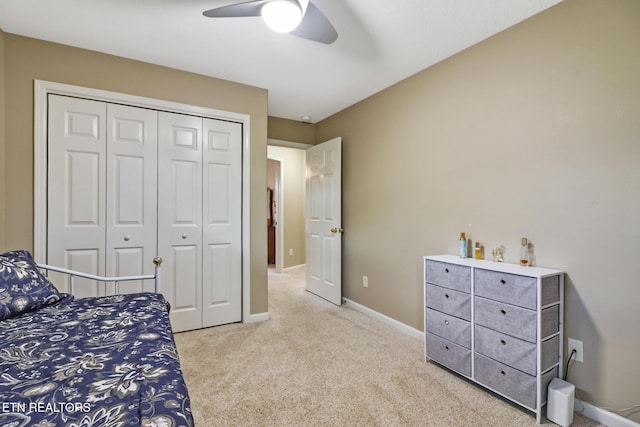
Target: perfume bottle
(463, 245)
(478, 251)
(524, 252)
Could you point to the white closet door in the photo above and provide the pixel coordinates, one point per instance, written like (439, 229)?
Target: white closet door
(222, 227)
(76, 189)
(180, 216)
(131, 194)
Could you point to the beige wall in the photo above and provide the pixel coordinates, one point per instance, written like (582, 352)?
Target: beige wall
(27, 59)
(292, 211)
(532, 133)
(291, 130)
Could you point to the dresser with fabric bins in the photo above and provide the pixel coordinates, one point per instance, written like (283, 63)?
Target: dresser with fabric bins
(497, 324)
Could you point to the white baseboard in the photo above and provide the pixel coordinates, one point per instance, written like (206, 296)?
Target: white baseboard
(602, 416)
(258, 317)
(294, 268)
(413, 332)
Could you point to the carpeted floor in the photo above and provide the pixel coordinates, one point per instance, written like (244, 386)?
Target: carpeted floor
(314, 363)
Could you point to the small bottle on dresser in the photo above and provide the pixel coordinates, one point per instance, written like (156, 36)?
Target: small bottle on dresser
(524, 252)
(478, 251)
(463, 245)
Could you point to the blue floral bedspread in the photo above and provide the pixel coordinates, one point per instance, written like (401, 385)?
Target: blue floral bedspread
(106, 361)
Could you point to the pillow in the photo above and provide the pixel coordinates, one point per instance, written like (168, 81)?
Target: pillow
(22, 286)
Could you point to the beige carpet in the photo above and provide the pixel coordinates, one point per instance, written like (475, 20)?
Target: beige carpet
(314, 364)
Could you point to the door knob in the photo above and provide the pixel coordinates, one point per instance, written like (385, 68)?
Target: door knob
(335, 230)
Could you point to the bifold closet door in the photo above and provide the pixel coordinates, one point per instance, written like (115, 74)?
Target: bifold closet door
(76, 191)
(126, 184)
(180, 216)
(222, 223)
(131, 245)
(200, 219)
(102, 189)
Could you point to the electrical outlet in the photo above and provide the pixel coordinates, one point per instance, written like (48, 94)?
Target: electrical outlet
(365, 282)
(291, 252)
(577, 346)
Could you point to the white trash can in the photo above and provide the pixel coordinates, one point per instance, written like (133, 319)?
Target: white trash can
(560, 397)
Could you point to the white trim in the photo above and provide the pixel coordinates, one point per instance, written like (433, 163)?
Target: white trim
(288, 144)
(43, 88)
(603, 416)
(258, 317)
(294, 268)
(413, 332)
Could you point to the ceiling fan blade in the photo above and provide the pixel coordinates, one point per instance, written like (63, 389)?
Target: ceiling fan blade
(238, 10)
(316, 27)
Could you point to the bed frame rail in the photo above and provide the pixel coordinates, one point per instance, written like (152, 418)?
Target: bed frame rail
(115, 280)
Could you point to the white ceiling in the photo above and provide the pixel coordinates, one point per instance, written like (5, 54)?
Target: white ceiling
(380, 42)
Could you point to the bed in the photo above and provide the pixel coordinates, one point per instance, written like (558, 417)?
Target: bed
(99, 361)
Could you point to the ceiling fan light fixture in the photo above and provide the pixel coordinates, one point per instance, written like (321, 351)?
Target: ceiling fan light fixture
(282, 16)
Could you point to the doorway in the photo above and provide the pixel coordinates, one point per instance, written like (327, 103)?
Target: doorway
(286, 172)
(274, 200)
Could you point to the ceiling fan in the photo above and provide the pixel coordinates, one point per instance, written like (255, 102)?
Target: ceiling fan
(297, 17)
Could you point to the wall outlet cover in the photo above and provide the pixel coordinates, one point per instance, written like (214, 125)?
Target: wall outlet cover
(577, 345)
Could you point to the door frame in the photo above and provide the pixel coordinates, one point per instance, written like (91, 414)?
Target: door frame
(43, 88)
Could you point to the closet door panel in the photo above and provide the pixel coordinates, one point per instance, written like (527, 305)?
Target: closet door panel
(132, 136)
(180, 216)
(222, 169)
(185, 263)
(86, 260)
(76, 189)
(130, 261)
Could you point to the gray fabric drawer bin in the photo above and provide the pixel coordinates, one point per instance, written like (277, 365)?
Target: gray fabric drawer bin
(504, 348)
(515, 352)
(550, 321)
(550, 290)
(515, 321)
(449, 275)
(449, 327)
(514, 289)
(511, 382)
(505, 287)
(448, 354)
(449, 301)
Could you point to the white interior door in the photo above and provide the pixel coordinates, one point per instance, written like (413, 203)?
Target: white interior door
(324, 220)
(132, 136)
(222, 223)
(180, 216)
(76, 191)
